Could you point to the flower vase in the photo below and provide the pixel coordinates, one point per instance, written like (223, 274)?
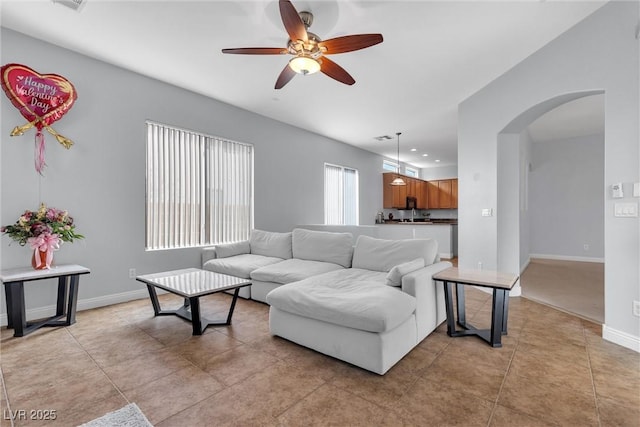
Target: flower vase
(40, 262)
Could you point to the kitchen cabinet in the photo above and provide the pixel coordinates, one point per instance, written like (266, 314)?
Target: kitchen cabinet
(439, 194)
(443, 194)
(422, 195)
(395, 196)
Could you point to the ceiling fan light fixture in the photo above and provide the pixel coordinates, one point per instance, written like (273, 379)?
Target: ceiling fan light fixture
(304, 65)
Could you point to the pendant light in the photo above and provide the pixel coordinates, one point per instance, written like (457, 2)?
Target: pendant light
(398, 180)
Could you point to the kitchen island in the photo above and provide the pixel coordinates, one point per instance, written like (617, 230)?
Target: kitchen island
(446, 233)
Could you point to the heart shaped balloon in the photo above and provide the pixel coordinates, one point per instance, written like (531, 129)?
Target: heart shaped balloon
(41, 98)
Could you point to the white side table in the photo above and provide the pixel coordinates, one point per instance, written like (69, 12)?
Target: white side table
(68, 281)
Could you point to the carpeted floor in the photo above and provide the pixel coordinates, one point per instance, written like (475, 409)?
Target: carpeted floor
(573, 287)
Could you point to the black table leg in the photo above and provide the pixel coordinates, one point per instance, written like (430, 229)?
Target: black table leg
(73, 299)
(154, 299)
(462, 316)
(448, 301)
(196, 320)
(505, 312)
(497, 312)
(62, 295)
(233, 305)
(16, 313)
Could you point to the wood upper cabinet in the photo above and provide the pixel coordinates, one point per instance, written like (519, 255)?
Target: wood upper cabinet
(433, 195)
(443, 194)
(395, 197)
(422, 194)
(440, 194)
(454, 193)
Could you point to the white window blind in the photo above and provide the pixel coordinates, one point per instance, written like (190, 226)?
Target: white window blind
(340, 195)
(199, 189)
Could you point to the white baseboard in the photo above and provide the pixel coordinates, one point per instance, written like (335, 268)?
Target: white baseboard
(446, 255)
(526, 264)
(621, 338)
(84, 304)
(567, 258)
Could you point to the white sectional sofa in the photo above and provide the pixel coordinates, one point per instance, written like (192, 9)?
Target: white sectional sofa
(368, 305)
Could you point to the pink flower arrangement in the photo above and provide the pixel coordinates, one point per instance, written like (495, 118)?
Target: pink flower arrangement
(44, 230)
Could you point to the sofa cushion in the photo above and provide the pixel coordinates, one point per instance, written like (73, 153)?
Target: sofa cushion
(357, 304)
(383, 255)
(394, 277)
(324, 246)
(292, 270)
(239, 265)
(271, 244)
(231, 249)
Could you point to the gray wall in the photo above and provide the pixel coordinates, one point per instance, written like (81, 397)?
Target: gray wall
(443, 172)
(598, 55)
(101, 179)
(566, 202)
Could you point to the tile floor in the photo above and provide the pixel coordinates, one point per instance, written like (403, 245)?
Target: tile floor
(553, 370)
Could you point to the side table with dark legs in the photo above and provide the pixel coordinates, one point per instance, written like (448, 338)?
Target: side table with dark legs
(14, 281)
(500, 283)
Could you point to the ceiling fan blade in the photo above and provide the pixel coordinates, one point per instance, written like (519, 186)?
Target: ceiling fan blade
(257, 50)
(335, 71)
(285, 77)
(350, 43)
(292, 21)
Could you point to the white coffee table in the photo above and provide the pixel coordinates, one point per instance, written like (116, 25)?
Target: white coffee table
(191, 284)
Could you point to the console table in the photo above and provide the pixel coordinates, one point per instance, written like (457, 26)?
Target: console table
(501, 283)
(68, 280)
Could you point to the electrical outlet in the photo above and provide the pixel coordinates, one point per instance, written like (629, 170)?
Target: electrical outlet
(132, 273)
(636, 308)
(585, 246)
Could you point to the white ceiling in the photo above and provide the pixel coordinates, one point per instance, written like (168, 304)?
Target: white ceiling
(435, 54)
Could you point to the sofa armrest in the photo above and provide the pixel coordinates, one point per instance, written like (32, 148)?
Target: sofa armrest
(208, 253)
(430, 307)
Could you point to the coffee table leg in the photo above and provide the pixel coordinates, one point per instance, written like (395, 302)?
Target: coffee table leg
(196, 321)
(233, 305)
(154, 299)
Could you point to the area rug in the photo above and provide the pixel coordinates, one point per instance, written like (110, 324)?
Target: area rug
(129, 416)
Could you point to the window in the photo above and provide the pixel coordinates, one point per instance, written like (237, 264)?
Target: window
(390, 166)
(411, 172)
(199, 189)
(340, 195)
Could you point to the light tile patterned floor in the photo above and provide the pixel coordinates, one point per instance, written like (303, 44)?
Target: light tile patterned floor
(554, 369)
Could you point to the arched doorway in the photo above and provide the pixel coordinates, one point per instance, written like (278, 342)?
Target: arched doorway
(550, 195)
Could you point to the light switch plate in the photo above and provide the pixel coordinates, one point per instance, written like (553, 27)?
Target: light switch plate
(626, 210)
(487, 212)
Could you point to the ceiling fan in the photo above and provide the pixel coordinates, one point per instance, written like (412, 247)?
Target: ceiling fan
(308, 49)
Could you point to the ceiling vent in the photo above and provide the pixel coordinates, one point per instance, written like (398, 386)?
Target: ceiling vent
(382, 138)
(72, 4)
